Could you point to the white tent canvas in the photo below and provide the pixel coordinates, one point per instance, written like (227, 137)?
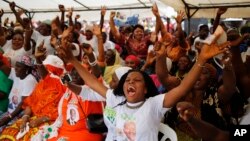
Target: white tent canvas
(208, 8)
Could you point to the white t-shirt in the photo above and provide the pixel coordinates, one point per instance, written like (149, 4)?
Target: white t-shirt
(20, 88)
(14, 55)
(39, 38)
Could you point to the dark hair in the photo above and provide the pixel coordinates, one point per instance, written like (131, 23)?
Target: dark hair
(151, 88)
(20, 32)
(138, 26)
(204, 26)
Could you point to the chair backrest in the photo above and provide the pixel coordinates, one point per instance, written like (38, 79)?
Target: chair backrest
(168, 133)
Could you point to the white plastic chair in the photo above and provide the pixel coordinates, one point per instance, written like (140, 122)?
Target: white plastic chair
(168, 133)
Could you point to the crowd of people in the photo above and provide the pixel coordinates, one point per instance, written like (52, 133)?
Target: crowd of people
(53, 76)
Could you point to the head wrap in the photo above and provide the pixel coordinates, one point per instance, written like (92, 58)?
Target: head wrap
(134, 58)
(54, 65)
(26, 60)
(121, 71)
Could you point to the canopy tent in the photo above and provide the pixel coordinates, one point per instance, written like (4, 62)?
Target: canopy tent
(88, 9)
(208, 8)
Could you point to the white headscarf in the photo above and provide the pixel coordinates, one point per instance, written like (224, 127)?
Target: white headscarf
(121, 71)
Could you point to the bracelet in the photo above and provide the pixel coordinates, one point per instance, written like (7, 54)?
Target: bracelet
(93, 63)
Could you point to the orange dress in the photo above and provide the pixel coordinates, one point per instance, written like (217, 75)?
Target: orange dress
(75, 129)
(43, 102)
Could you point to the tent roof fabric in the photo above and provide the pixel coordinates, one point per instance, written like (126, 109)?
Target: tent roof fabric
(208, 8)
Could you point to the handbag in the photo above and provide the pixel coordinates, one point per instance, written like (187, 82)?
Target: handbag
(95, 122)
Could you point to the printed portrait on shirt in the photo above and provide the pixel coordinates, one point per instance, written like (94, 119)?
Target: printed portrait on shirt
(72, 114)
(13, 103)
(129, 130)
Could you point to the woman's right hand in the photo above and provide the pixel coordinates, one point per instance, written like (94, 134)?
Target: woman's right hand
(112, 14)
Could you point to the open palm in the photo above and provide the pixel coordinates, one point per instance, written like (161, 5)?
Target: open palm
(209, 51)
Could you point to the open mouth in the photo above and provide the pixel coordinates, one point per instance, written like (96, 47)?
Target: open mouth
(131, 91)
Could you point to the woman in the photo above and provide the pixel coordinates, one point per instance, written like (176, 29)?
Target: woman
(23, 85)
(132, 61)
(71, 122)
(134, 99)
(41, 106)
(136, 44)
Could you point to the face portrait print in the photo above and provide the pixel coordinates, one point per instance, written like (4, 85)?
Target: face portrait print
(72, 115)
(130, 130)
(14, 103)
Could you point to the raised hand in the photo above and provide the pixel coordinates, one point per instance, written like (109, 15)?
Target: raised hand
(20, 12)
(209, 51)
(103, 10)
(180, 17)
(97, 30)
(12, 6)
(155, 10)
(86, 48)
(61, 8)
(70, 13)
(77, 16)
(112, 14)
(186, 110)
(65, 52)
(40, 51)
(1, 13)
(221, 10)
(66, 33)
(55, 26)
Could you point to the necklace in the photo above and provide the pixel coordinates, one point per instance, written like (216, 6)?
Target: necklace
(134, 105)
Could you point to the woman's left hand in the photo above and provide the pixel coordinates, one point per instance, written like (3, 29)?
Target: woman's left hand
(209, 51)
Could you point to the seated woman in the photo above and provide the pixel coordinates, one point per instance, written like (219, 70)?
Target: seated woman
(23, 85)
(74, 107)
(41, 106)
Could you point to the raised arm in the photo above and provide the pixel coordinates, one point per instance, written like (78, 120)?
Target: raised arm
(40, 55)
(239, 67)
(27, 38)
(103, 12)
(220, 12)
(97, 32)
(17, 14)
(202, 129)
(159, 24)
(168, 81)
(181, 36)
(88, 78)
(62, 10)
(228, 88)
(113, 29)
(70, 13)
(207, 52)
(2, 35)
(158, 18)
